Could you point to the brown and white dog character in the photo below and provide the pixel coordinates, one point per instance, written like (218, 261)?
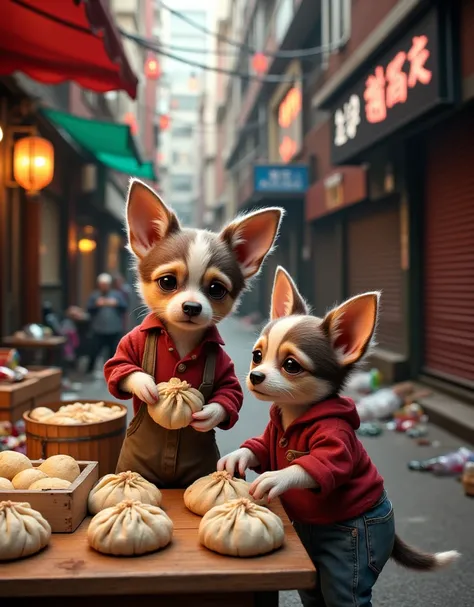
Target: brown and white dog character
(299, 360)
(191, 278)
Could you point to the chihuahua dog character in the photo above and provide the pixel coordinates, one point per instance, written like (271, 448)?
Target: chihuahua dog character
(309, 452)
(190, 280)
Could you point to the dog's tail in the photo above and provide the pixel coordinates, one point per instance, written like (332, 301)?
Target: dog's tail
(411, 558)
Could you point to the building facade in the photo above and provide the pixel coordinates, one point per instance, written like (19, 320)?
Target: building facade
(181, 89)
(73, 229)
(384, 134)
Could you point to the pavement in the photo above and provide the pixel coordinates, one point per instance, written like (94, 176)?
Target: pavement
(432, 513)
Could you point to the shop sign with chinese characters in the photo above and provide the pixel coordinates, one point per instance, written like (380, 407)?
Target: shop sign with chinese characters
(280, 179)
(289, 124)
(408, 81)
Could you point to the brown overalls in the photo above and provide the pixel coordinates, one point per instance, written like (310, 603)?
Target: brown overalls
(169, 458)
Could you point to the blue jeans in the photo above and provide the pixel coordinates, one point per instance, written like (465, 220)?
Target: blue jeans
(348, 556)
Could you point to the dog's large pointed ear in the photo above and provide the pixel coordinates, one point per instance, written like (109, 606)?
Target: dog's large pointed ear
(286, 299)
(351, 326)
(252, 238)
(149, 220)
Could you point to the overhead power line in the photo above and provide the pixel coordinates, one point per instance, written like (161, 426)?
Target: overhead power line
(156, 48)
(288, 54)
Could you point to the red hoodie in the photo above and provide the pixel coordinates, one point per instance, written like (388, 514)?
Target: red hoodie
(324, 443)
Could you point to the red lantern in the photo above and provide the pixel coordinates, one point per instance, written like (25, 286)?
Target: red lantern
(152, 68)
(259, 63)
(164, 122)
(130, 119)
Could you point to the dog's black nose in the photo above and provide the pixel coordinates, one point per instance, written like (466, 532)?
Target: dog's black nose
(192, 308)
(256, 377)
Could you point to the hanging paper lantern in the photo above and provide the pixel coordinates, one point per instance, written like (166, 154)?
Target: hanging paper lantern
(164, 122)
(152, 68)
(259, 63)
(33, 163)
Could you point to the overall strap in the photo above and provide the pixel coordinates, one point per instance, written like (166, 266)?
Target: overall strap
(207, 386)
(149, 353)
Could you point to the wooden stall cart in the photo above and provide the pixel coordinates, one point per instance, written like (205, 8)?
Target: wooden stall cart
(184, 574)
(41, 386)
(46, 350)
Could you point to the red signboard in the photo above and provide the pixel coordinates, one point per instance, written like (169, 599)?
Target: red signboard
(289, 115)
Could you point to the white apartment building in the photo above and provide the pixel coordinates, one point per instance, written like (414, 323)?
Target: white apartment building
(181, 87)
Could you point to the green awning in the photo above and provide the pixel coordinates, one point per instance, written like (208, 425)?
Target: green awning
(111, 143)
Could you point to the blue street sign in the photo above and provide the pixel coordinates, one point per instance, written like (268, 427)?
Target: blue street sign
(280, 179)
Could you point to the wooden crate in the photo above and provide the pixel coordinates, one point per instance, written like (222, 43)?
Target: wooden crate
(64, 509)
(43, 385)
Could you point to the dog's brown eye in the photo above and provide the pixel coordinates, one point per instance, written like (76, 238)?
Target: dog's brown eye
(168, 283)
(257, 357)
(291, 366)
(217, 290)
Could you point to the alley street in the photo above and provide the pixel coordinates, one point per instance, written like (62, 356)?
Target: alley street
(431, 513)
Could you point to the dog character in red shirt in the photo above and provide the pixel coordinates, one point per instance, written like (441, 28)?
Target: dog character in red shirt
(309, 452)
(190, 280)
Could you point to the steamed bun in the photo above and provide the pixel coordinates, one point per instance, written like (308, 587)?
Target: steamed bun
(114, 488)
(11, 463)
(5, 484)
(177, 402)
(61, 466)
(130, 528)
(47, 484)
(23, 531)
(25, 478)
(214, 490)
(241, 528)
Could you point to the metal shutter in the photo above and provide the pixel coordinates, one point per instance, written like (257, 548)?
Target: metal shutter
(373, 246)
(326, 266)
(449, 253)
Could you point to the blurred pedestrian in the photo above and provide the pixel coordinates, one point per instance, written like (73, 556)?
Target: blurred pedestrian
(107, 308)
(121, 285)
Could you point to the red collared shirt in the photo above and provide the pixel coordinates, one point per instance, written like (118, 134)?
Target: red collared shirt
(323, 442)
(129, 356)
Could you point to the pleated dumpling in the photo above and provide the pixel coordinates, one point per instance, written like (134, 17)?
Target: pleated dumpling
(115, 488)
(214, 490)
(176, 405)
(241, 528)
(130, 529)
(23, 531)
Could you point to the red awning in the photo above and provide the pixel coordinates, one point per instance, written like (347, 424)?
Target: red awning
(56, 40)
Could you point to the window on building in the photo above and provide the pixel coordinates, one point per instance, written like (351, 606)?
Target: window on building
(182, 131)
(335, 23)
(181, 158)
(188, 103)
(181, 183)
(283, 17)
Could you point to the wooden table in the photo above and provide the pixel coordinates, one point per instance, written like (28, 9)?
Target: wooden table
(52, 345)
(183, 574)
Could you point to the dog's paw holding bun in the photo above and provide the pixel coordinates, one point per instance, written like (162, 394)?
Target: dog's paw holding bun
(177, 402)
